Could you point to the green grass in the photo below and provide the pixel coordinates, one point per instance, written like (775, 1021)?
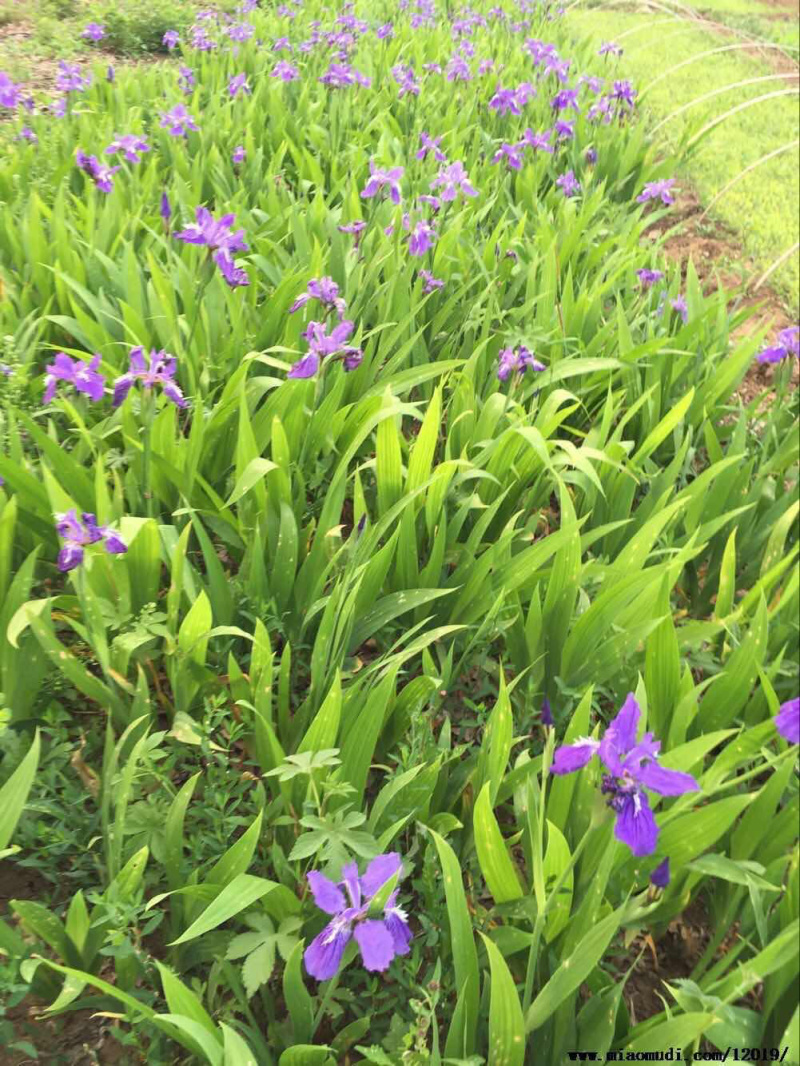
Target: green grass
(763, 208)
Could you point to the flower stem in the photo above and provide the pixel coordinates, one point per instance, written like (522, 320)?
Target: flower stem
(148, 412)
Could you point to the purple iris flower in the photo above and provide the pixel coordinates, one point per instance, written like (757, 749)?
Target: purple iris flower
(547, 712)
(200, 39)
(282, 44)
(322, 345)
(94, 32)
(486, 66)
(130, 145)
(27, 134)
(431, 201)
(516, 361)
(680, 306)
(216, 234)
(186, 80)
(404, 76)
(453, 179)
(458, 69)
(239, 154)
(161, 371)
(559, 67)
(537, 141)
(657, 190)
(659, 878)
(83, 376)
(593, 83)
(590, 155)
(512, 153)
(787, 343)
(609, 48)
(78, 532)
(503, 101)
(378, 939)
(353, 227)
(339, 75)
(101, 175)
(326, 291)
(165, 209)
(525, 91)
(431, 144)
(564, 130)
(787, 721)
(624, 92)
(238, 84)
(233, 275)
(379, 178)
(241, 32)
(385, 32)
(648, 278)
(568, 184)
(632, 767)
(430, 283)
(10, 93)
(70, 79)
(171, 39)
(178, 121)
(285, 71)
(421, 239)
(601, 110)
(565, 99)
(539, 50)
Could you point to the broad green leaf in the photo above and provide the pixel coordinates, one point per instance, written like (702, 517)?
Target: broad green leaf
(15, 791)
(506, 1024)
(236, 896)
(497, 868)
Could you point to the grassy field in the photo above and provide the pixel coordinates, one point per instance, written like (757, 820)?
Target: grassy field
(762, 209)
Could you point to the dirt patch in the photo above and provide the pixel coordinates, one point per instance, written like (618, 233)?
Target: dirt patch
(77, 1039)
(18, 882)
(671, 957)
(719, 260)
(785, 8)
